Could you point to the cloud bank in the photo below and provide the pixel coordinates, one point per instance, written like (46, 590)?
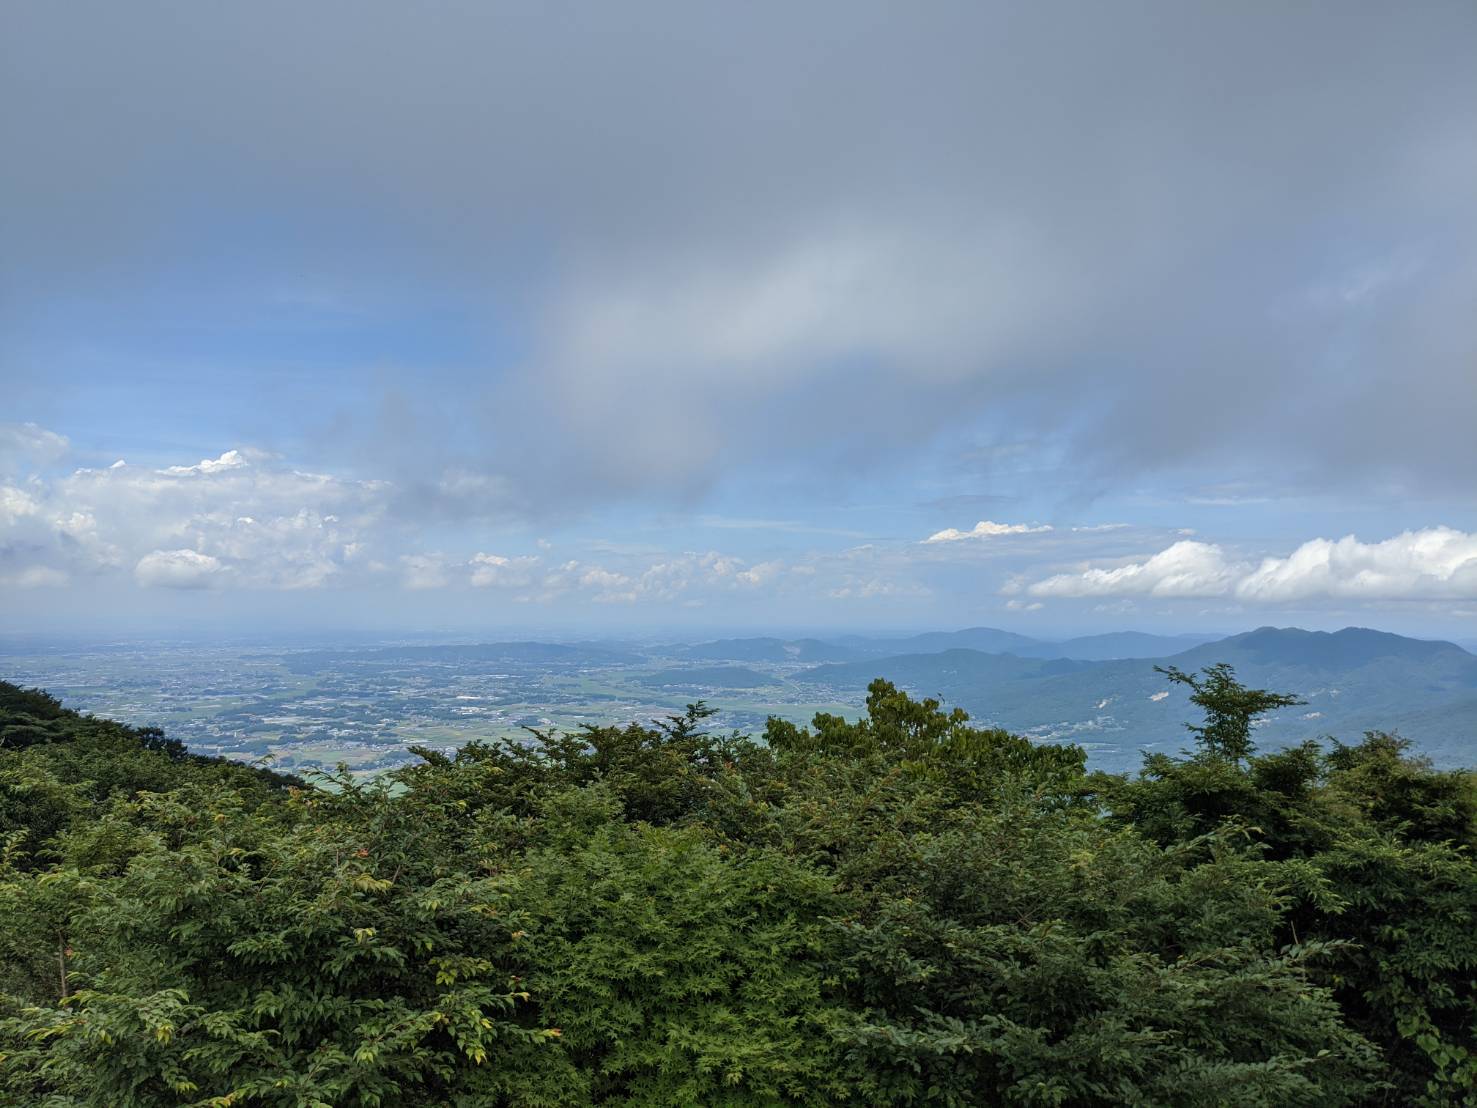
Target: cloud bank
(241, 519)
(1182, 570)
(1436, 563)
(245, 522)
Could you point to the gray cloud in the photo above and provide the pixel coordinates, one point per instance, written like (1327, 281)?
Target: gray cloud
(1157, 234)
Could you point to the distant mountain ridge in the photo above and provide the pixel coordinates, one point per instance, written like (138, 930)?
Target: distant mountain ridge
(990, 640)
(1125, 644)
(765, 649)
(1351, 646)
(1353, 680)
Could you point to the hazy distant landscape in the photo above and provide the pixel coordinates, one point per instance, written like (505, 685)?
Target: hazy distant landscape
(364, 703)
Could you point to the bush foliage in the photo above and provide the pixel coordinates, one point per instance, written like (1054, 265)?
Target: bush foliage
(905, 909)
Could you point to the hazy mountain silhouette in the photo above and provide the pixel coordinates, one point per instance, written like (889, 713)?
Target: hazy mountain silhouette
(1353, 680)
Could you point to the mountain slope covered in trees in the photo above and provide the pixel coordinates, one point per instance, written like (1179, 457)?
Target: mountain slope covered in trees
(1352, 680)
(903, 909)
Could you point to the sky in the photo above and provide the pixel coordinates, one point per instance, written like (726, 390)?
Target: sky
(1062, 317)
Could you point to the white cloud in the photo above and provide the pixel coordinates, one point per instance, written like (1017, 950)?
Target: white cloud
(246, 519)
(605, 583)
(15, 503)
(496, 571)
(231, 459)
(763, 573)
(605, 586)
(674, 578)
(1187, 568)
(1435, 563)
(264, 524)
(986, 529)
(177, 569)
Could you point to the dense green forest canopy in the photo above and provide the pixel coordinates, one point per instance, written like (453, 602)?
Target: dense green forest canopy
(903, 909)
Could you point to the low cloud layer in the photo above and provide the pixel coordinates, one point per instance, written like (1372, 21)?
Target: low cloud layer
(246, 520)
(1182, 570)
(177, 569)
(240, 519)
(1436, 563)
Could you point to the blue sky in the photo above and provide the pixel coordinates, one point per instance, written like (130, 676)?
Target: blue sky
(483, 317)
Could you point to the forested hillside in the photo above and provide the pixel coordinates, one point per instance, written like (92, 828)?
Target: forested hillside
(1352, 680)
(905, 909)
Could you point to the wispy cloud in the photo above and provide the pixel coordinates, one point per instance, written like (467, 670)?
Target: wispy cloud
(988, 529)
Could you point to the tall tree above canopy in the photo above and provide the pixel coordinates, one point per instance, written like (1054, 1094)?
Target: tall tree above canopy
(1230, 709)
